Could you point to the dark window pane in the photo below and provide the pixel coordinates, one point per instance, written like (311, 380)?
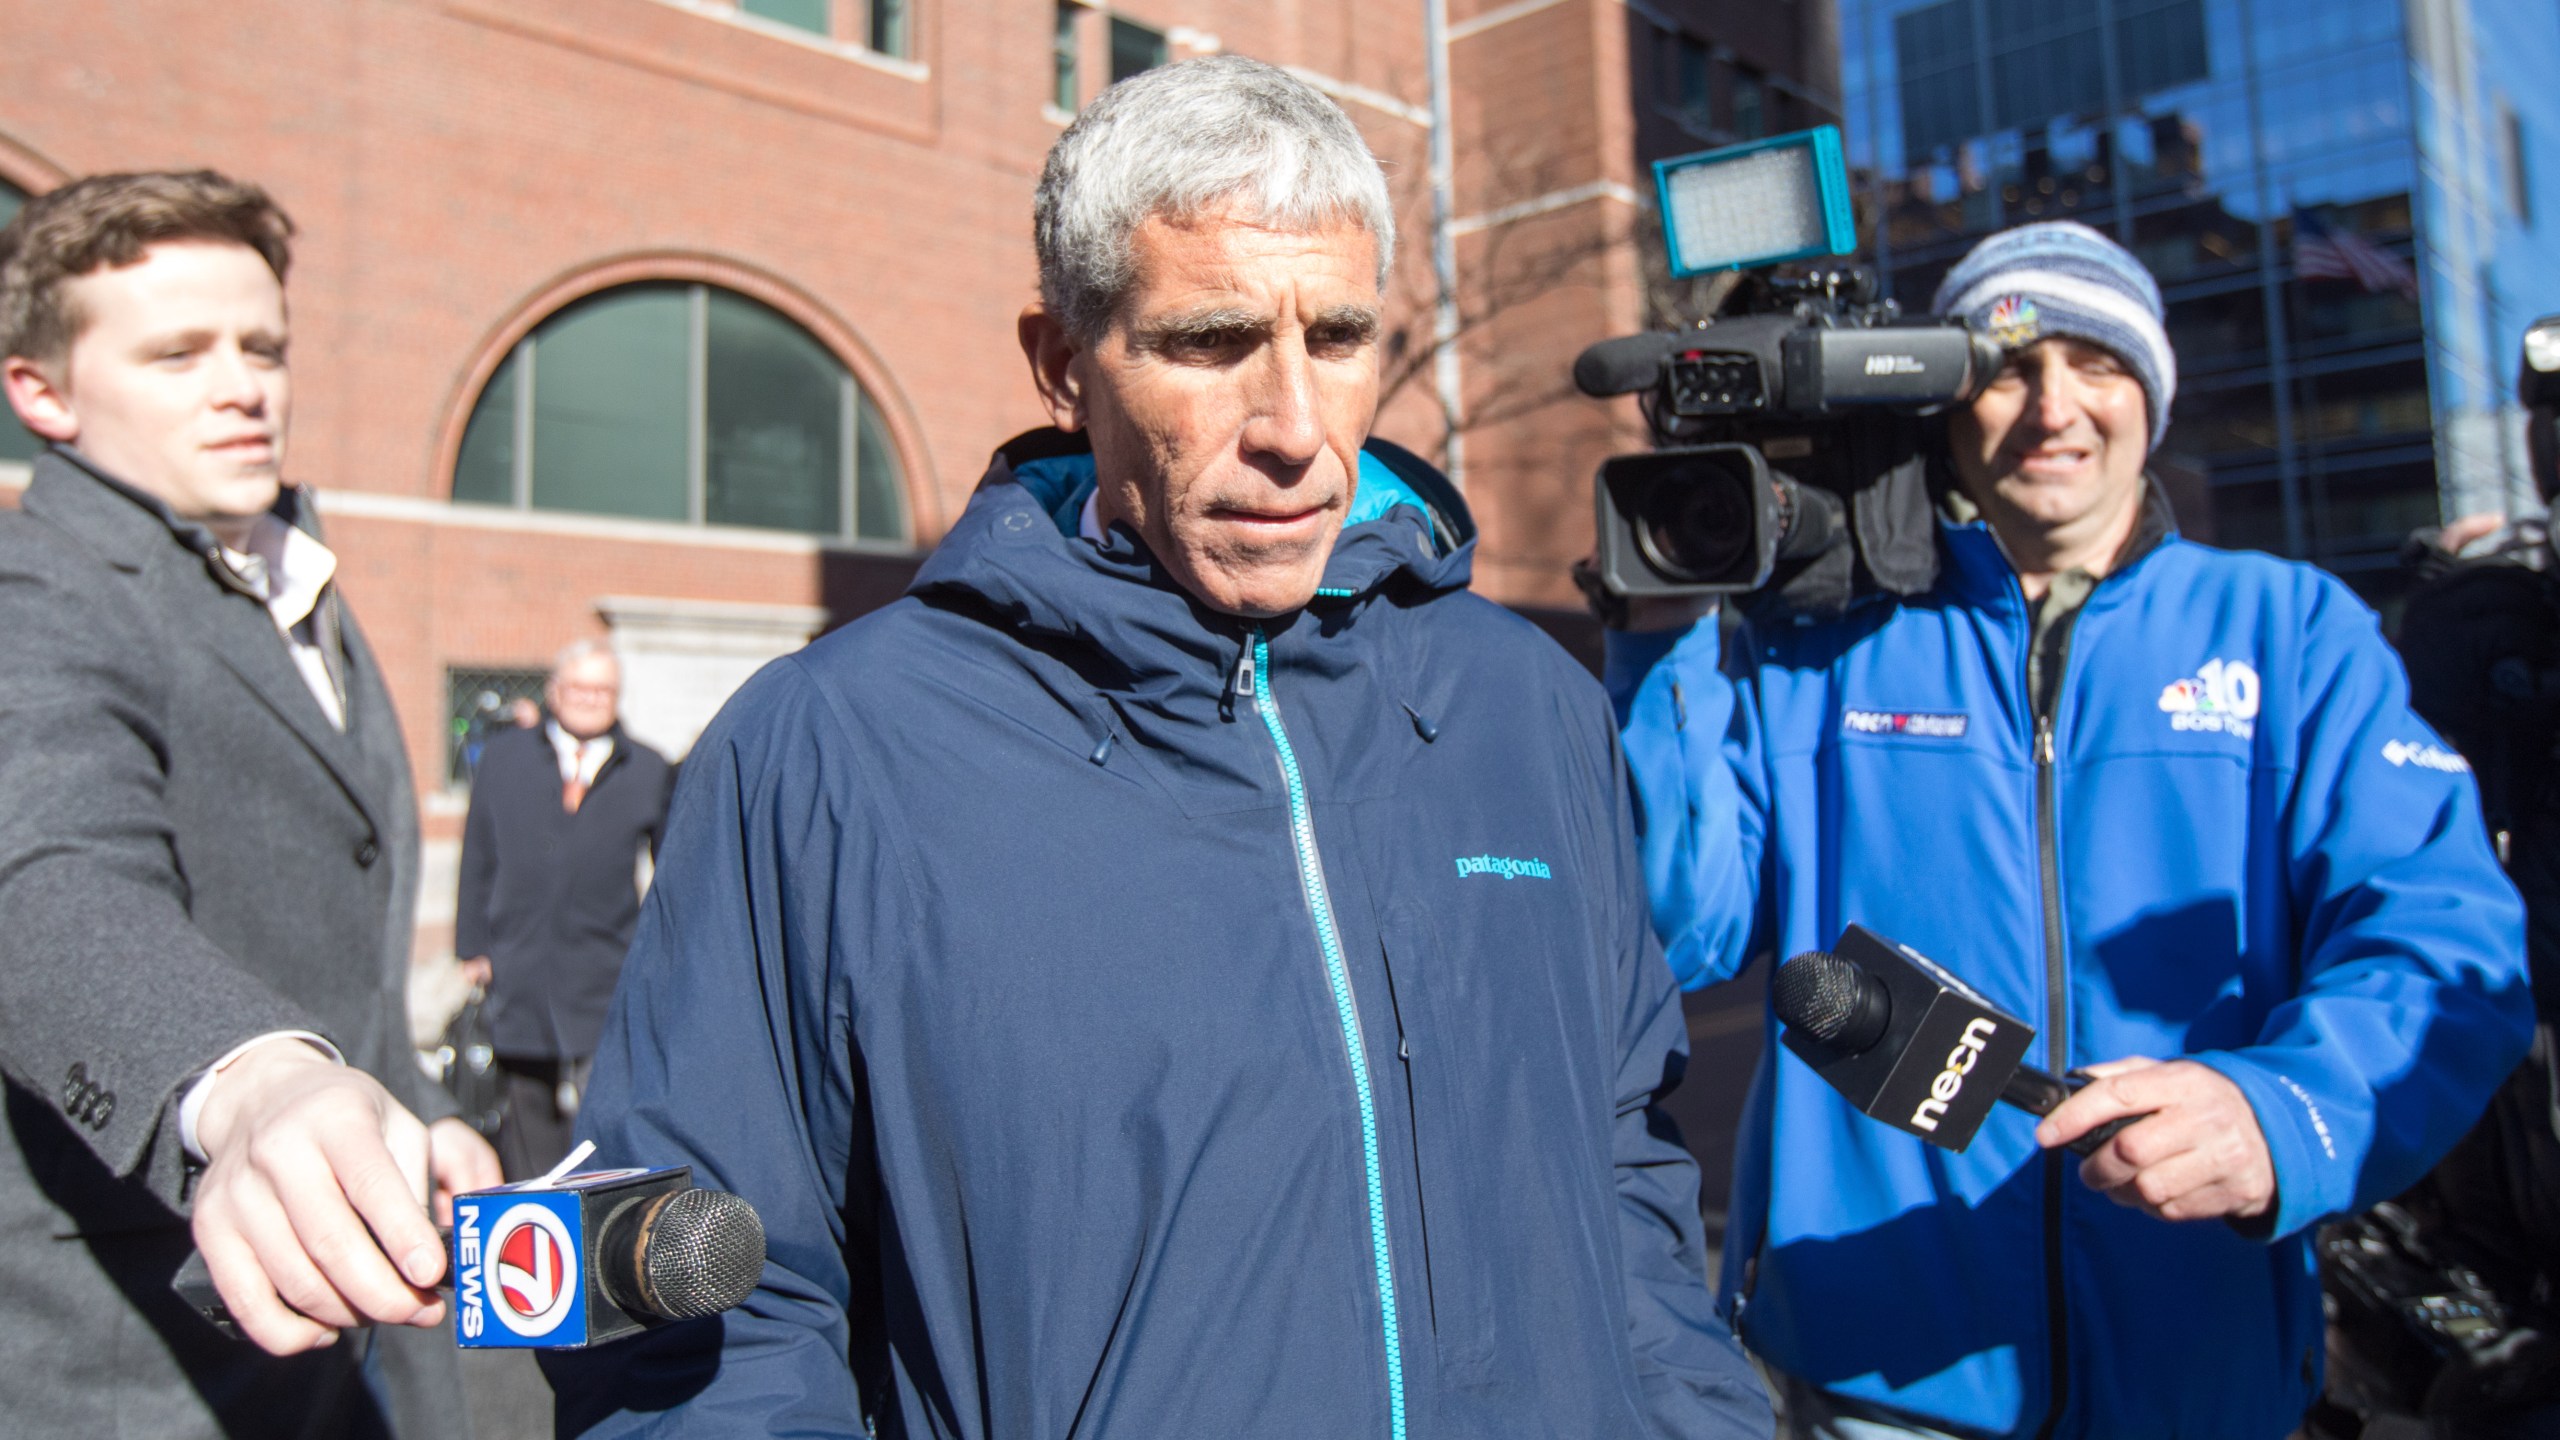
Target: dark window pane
(15, 442)
(485, 471)
(775, 407)
(2159, 43)
(2194, 242)
(2046, 60)
(2211, 331)
(881, 504)
(809, 15)
(889, 27)
(1750, 108)
(609, 403)
(1933, 48)
(1134, 49)
(2373, 508)
(2236, 425)
(2248, 517)
(2369, 406)
(1065, 85)
(1694, 102)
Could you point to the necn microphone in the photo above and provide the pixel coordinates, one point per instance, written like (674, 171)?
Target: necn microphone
(1909, 1044)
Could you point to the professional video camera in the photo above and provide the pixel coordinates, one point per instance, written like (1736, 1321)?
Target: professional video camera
(1791, 438)
(2445, 1302)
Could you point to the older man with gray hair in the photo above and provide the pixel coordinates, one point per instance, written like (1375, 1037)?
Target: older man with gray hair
(1184, 969)
(563, 815)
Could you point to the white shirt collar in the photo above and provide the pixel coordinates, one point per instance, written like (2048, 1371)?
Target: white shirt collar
(580, 760)
(1089, 524)
(291, 568)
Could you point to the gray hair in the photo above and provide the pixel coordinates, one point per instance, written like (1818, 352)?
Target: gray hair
(1178, 141)
(577, 650)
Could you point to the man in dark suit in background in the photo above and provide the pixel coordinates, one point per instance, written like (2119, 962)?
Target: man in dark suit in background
(563, 816)
(208, 858)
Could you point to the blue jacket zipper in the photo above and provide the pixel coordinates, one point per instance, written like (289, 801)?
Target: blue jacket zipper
(1254, 669)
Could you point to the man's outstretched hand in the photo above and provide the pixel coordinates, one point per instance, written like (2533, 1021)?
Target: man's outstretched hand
(2197, 1153)
(311, 1213)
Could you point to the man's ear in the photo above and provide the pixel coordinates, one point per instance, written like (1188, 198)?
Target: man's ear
(1053, 353)
(42, 406)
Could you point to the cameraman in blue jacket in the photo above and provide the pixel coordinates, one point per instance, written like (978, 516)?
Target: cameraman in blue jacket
(2171, 806)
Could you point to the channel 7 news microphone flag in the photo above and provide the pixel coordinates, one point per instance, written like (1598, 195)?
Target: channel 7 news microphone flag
(572, 1260)
(561, 1264)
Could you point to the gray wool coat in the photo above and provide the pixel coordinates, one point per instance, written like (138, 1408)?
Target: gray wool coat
(190, 855)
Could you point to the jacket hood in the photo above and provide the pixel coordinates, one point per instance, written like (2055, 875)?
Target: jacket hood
(1015, 550)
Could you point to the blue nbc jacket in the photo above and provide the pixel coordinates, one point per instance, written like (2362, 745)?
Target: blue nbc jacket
(2233, 841)
(1131, 1021)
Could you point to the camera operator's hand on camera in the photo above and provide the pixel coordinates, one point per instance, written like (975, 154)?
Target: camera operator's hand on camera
(316, 1181)
(1674, 612)
(2196, 1153)
(1638, 614)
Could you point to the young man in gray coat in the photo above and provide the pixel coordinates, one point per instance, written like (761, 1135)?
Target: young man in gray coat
(208, 854)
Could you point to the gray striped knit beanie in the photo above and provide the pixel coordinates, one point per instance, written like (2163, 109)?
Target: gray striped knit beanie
(2060, 277)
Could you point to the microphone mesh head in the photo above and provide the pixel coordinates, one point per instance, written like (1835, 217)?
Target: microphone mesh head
(1817, 992)
(706, 1251)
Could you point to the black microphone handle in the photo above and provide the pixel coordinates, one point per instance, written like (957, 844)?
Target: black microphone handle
(2040, 1092)
(194, 1284)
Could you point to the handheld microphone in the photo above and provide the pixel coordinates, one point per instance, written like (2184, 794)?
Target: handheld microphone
(578, 1261)
(1909, 1044)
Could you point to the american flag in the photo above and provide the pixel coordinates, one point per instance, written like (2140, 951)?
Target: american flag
(2321, 253)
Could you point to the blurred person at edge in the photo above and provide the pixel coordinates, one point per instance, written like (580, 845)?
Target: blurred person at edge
(562, 817)
(2175, 811)
(1182, 970)
(208, 862)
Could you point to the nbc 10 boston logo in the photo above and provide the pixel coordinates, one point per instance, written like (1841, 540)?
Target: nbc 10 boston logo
(515, 1281)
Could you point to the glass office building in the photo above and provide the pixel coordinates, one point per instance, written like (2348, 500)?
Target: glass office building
(2349, 205)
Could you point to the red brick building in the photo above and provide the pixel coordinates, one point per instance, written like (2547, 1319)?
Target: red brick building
(690, 322)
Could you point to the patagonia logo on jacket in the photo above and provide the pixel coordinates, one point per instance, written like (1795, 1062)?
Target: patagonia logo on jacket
(1503, 866)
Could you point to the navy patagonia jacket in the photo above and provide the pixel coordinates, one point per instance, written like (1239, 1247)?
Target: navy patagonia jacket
(1133, 1021)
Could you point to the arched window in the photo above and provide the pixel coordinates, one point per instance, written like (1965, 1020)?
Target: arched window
(687, 403)
(15, 443)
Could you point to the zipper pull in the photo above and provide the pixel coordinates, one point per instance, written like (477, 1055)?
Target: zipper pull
(2044, 739)
(1239, 682)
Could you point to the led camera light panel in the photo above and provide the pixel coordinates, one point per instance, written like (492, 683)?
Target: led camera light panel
(1762, 203)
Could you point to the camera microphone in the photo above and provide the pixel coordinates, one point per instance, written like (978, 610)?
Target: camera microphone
(1624, 365)
(1907, 1043)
